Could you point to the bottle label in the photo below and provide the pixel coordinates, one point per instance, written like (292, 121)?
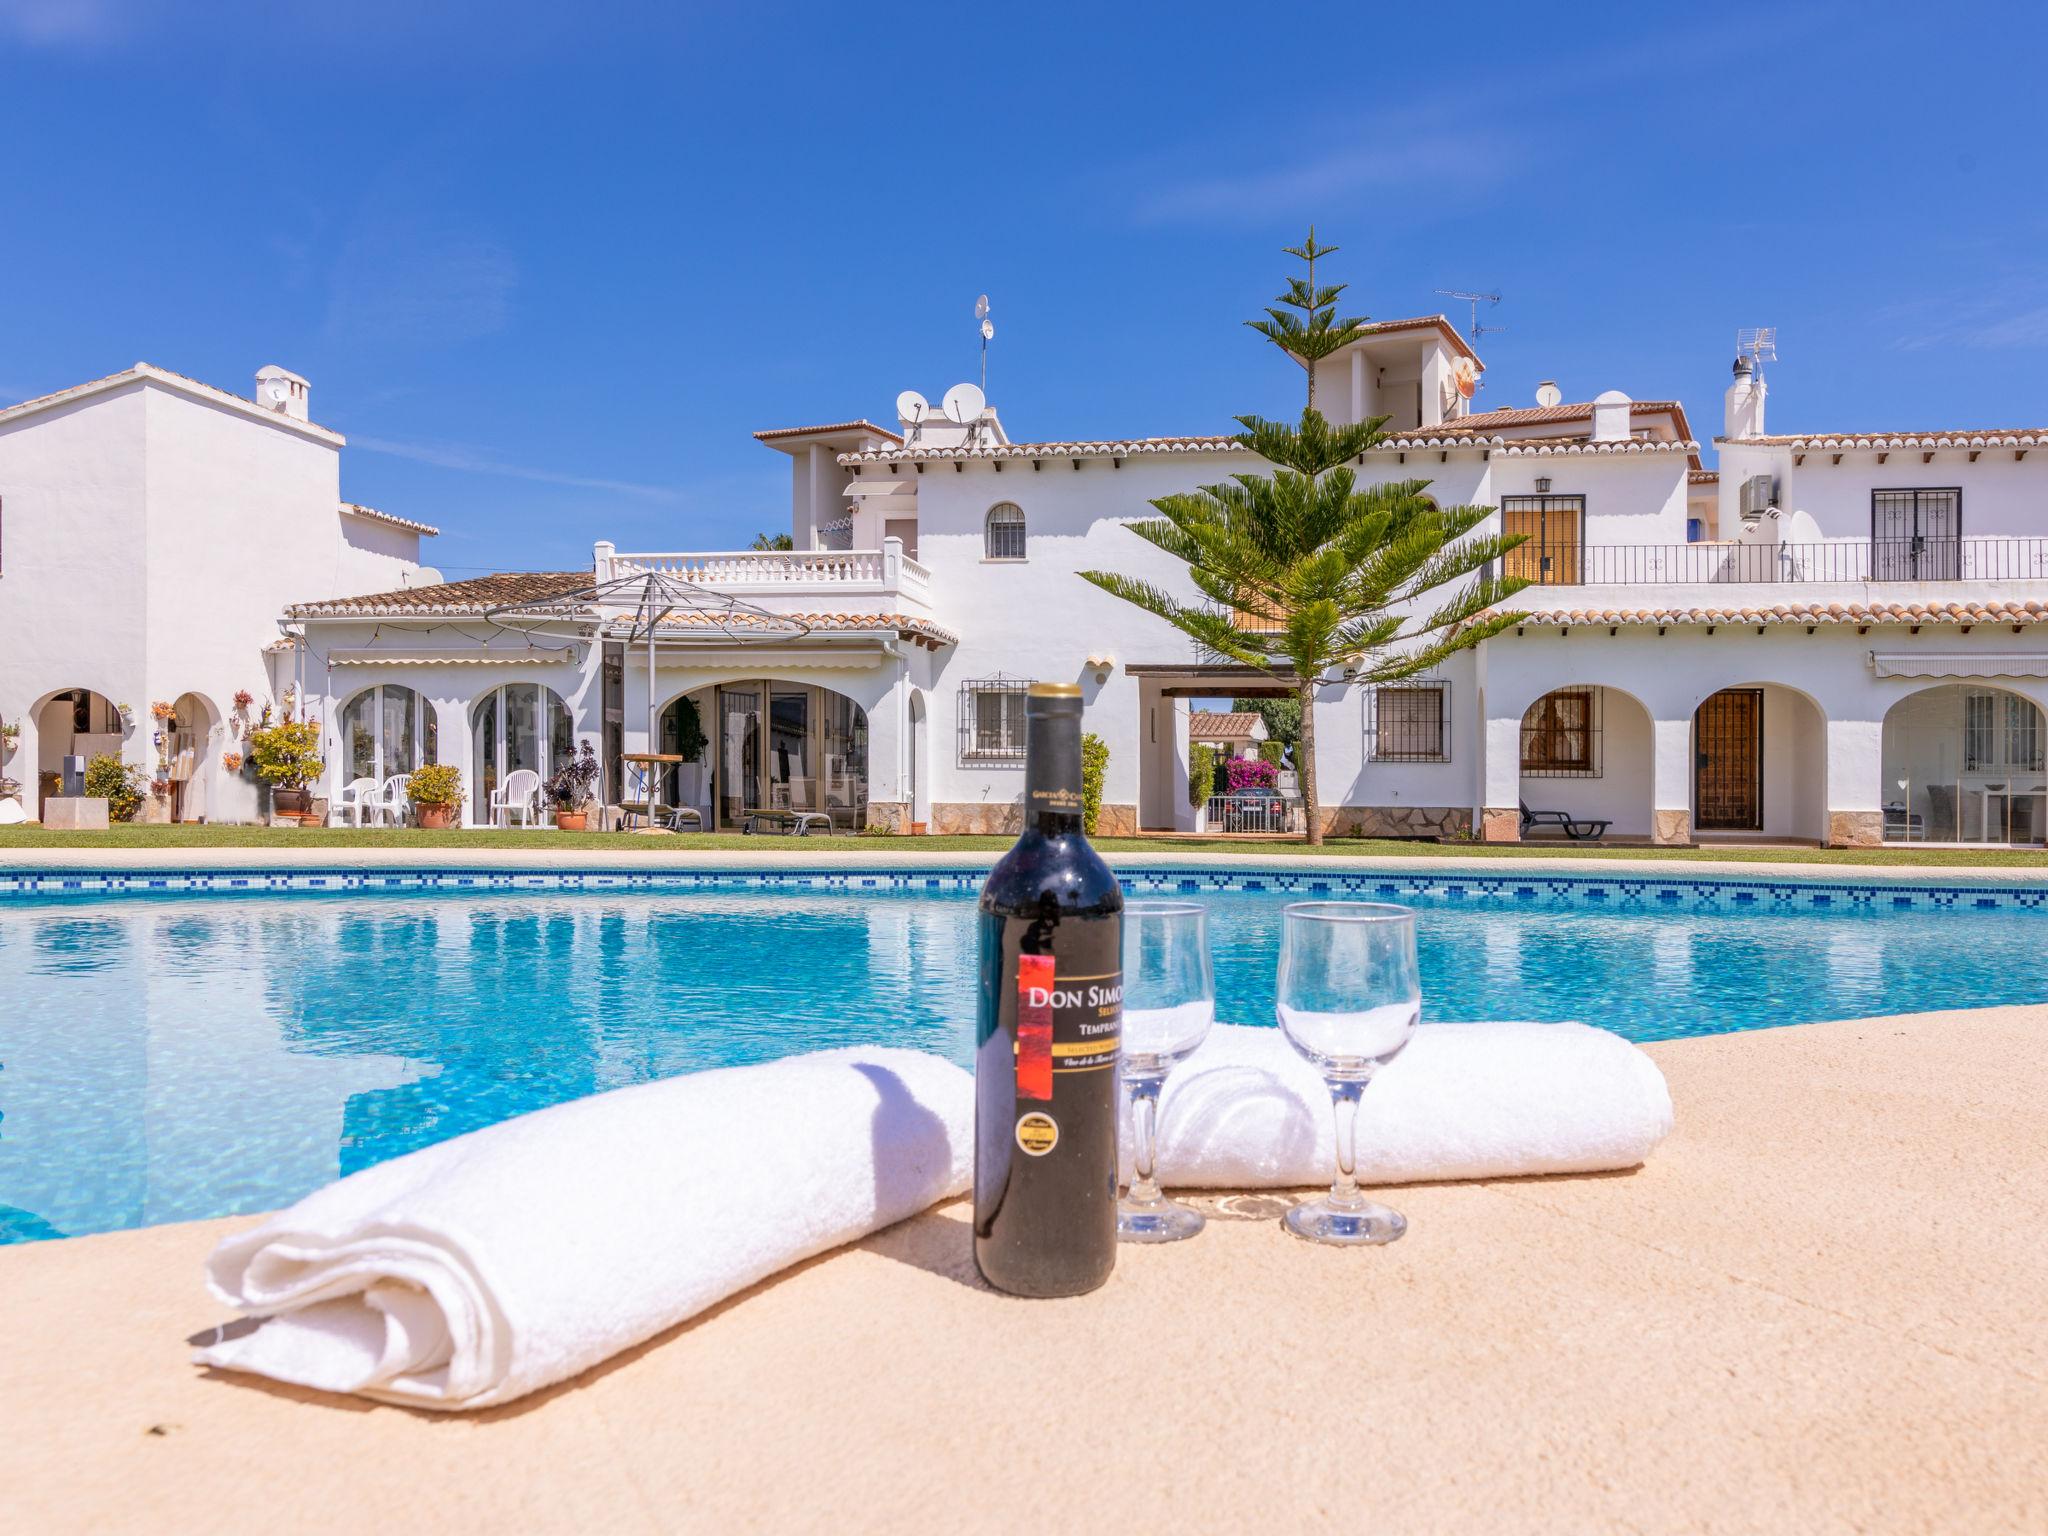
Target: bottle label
(1038, 1133)
(1065, 1024)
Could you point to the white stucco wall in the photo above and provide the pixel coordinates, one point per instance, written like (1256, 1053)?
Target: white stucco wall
(154, 535)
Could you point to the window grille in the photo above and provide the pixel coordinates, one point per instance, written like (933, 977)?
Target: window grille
(1005, 539)
(992, 721)
(1408, 723)
(1561, 735)
(1554, 529)
(1915, 535)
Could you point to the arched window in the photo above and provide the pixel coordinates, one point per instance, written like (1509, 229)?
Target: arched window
(521, 725)
(385, 730)
(1964, 763)
(1005, 537)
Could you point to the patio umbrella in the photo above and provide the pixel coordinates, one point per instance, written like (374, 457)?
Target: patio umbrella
(638, 602)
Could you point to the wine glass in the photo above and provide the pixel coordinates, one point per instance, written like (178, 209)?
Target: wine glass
(1169, 1004)
(1350, 996)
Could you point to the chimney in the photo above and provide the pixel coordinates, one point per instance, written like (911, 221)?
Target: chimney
(1610, 416)
(1742, 414)
(281, 390)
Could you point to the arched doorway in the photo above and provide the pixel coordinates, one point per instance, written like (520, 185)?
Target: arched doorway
(387, 729)
(521, 725)
(1963, 763)
(782, 746)
(74, 722)
(1588, 751)
(1759, 755)
(188, 756)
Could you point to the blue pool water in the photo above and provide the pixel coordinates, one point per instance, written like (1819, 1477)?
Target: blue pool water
(174, 1057)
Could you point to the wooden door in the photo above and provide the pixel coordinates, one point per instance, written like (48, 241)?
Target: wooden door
(1551, 527)
(1728, 743)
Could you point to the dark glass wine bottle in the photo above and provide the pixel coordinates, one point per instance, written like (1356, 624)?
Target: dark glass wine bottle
(1051, 1016)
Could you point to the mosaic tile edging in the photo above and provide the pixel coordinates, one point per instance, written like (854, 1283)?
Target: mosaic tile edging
(1583, 892)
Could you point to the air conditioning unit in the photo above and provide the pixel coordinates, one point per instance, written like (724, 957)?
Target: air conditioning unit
(1759, 495)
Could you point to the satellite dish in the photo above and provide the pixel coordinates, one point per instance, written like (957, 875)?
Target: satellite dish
(988, 330)
(1465, 377)
(964, 404)
(1548, 394)
(912, 407)
(981, 307)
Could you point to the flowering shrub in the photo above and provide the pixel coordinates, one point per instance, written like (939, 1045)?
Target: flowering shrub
(162, 709)
(1243, 773)
(287, 755)
(116, 782)
(244, 698)
(232, 761)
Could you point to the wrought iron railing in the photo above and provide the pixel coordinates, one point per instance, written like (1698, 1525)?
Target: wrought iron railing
(1845, 560)
(1256, 813)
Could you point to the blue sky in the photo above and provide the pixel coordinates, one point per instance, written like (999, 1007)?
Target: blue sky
(548, 266)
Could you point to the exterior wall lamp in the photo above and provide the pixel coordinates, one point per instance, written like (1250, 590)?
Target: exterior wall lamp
(1543, 485)
(1101, 666)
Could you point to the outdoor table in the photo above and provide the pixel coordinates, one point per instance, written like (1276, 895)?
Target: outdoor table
(649, 763)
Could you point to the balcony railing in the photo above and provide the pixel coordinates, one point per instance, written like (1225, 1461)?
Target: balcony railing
(1846, 560)
(886, 569)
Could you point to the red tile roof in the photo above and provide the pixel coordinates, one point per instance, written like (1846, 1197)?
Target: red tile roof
(1204, 725)
(357, 509)
(776, 434)
(1979, 437)
(451, 597)
(1802, 613)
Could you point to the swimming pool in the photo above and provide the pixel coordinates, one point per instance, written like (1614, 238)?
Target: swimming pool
(169, 1056)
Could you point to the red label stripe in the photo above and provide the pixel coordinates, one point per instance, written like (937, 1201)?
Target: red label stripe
(1034, 1027)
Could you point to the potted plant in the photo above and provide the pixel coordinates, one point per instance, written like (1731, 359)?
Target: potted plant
(436, 794)
(287, 758)
(118, 783)
(573, 788)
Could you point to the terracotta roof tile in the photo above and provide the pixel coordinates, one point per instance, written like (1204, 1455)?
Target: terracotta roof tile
(357, 509)
(776, 434)
(1205, 725)
(1153, 447)
(1979, 437)
(472, 596)
(1802, 613)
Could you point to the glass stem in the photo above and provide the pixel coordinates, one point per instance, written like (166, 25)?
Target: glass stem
(1344, 1098)
(1144, 1096)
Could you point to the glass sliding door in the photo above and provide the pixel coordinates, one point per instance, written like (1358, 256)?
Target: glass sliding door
(521, 725)
(790, 747)
(844, 760)
(739, 753)
(791, 785)
(387, 730)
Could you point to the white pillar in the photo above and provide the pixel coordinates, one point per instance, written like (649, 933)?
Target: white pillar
(1358, 411)
(1671, 781)
(1500, 819)
(1855, 774)
(1173, 717)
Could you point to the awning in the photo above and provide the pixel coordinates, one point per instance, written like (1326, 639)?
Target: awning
(1913, 664)
(880, 488)
(520, 657)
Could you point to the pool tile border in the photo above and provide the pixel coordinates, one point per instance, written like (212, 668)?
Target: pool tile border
(1442, 887)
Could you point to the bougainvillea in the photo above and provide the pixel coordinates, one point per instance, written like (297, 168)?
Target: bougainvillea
(1244, 773)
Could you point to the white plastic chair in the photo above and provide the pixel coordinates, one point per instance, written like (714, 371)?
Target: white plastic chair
(357, 797)
(518, 796)
(392, 803)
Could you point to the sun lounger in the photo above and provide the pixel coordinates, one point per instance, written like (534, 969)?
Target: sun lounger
(1577, 828)
(794, 823)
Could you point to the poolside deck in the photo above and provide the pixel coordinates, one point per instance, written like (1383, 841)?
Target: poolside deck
(1819, 1309)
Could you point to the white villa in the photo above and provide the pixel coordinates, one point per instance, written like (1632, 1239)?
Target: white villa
(1840, 637)
(153, 530)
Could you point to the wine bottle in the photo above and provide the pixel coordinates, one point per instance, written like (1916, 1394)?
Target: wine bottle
(1050, 1018)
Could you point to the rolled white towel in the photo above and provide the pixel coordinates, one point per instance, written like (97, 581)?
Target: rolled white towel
(1461, 1101)
(474, 1271)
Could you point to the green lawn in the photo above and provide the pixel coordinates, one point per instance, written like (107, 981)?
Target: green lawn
(616, 846)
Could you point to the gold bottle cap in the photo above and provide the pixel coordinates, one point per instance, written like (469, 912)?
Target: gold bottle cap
(1055, 690)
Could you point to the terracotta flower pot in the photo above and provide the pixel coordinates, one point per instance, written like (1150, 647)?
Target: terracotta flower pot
(435, 818)
(571, 821)
(291, 802)
(917, 828)
(310, 819)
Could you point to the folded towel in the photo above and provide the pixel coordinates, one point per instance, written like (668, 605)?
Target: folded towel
(474, 1271)
(1461, 1101)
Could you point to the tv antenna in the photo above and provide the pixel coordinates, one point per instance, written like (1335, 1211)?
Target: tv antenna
(1475, 300)
(1758, 343)
(988, 334)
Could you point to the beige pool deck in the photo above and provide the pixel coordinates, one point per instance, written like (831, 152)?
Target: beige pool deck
(1820, 1308)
